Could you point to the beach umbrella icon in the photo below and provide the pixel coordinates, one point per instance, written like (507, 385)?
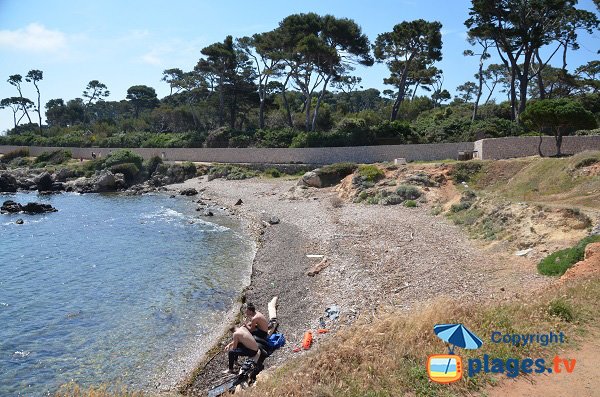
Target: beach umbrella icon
(457, 335)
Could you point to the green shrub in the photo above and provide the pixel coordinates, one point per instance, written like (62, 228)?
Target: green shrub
(152, 164)
(56, 157)
(189, 169)
(130, 171)
(273, 172)
(562, 309)
(410, 203)
(334, 173)
(370, 173)
(463, 205)
(280, 138)
(465, 172)
(392, 199)
(586, 162)
(123, 156)
(17, 153)
(557, 263)
(230, 172)
(408, 192)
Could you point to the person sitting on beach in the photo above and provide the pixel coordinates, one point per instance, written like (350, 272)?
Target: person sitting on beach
(257, 323)
(243, 344)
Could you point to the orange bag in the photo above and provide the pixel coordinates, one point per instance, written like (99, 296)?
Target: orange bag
(307, 340)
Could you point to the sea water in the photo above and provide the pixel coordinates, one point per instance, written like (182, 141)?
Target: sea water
(111, 288)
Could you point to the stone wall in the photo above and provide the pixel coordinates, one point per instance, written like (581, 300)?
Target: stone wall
(511, 147)
(485, 149)
(357, 154)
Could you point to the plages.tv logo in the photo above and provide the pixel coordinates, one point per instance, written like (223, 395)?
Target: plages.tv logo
(448, 368)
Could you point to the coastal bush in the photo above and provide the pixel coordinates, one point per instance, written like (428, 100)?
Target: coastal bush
(465, 171)
(392, 199)
(586, 162)
(129, 170)
(152, 164)
(20, 162)
(332, 174)
(461, 206)
(410, 203)
(408, 192)
(55, 157)
(230, 172)
(562, 309)
(273, 172)
(370, 173)
(557, 263)
(189, 169)
(17, 153)
(123, 156)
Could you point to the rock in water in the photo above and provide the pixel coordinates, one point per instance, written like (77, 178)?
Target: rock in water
(189, 192)
(37, 208)
(10, 207)
(8, 183)
(207, 213)
(19, 221)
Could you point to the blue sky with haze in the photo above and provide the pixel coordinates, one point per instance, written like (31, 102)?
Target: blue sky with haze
(124, 43)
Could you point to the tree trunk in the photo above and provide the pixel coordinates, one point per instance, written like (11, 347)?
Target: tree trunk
(513, 95)
(307, 111)
(491, 93)
(523, 81)
(38, 105)
(540, 145)
(286, 103)
(558, 138)
(316, 113)
(221, 102)
(261, 114)
(401, 90)
(479, 89)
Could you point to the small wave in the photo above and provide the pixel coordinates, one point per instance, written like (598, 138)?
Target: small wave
(213, 226)
(21, 354)
(164, 213)
(3, 304)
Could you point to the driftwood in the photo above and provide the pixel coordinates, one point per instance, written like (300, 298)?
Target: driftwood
(273, 308)
(316, 269)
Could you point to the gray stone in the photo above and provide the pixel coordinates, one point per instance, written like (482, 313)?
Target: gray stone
(312, 179)
(19, 221)
(63, 174)
(274, 220)
(188, 192)
(8, 183)
(43, 182)
(105, 182)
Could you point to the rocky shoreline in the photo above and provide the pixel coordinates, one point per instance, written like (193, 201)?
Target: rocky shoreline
(103, 181)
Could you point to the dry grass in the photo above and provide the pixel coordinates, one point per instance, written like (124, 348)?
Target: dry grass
(386, 355)
(544, 180)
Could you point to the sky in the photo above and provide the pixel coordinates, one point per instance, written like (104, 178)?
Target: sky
(130, 42)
